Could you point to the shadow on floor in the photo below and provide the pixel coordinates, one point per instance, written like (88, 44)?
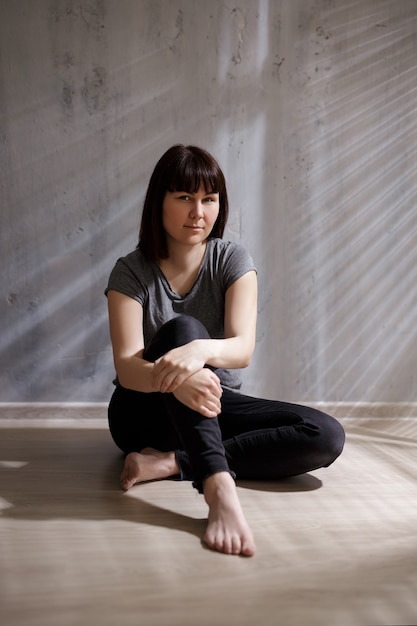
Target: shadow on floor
(74, 474)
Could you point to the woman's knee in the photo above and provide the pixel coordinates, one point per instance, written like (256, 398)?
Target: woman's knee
(332, 438)
(338, 439)
(178, 331)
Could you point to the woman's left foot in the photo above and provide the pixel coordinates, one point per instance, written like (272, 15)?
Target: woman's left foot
(148, 464)
(227, 530)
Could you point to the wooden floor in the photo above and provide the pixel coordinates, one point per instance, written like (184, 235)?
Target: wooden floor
(337, 547)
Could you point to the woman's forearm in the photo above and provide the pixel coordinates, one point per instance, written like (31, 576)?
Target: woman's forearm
(135, 373)
(230, 353)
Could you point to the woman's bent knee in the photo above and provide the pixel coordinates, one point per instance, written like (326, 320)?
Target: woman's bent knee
(327, 437)
(334, 436)
(178, 331)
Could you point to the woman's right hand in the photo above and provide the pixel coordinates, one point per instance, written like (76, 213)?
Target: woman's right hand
(201, 392)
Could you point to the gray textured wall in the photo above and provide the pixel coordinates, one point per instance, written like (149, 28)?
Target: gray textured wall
(310, 108)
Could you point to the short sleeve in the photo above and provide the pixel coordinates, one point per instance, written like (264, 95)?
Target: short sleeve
(125, 280)
(237, 262)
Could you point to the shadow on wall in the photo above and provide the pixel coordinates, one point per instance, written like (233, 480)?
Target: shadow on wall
(309, 108)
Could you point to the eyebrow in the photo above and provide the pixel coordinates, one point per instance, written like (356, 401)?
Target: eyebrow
(192, 193)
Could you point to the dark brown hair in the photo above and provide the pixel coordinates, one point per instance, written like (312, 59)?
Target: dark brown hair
(181, 168)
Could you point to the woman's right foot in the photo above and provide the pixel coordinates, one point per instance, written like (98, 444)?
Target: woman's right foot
(148, 464)
(227, 529)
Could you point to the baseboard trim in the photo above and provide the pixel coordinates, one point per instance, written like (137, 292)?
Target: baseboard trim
(96, 412)
(61, 414)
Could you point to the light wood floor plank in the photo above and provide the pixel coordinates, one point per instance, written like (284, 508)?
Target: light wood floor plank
(336, 547)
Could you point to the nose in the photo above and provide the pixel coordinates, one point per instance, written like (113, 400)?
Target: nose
(197, 210)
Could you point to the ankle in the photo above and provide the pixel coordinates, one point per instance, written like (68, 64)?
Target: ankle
(172, 464)
(218, 485)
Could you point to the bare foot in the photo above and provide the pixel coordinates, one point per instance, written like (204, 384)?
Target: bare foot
(148, 464)
(227, 530)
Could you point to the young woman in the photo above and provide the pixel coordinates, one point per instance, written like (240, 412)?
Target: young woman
(182, 311)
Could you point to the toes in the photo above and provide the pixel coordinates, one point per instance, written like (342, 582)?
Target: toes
(125, 483)
(234, 545)
(248, 549)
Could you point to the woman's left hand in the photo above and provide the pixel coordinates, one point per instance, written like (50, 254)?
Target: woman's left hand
(172, 369)
(201, 392)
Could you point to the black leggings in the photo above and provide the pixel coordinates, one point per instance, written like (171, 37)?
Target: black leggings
(251, 438)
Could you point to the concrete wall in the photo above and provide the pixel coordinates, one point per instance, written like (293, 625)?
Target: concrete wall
(310, 107)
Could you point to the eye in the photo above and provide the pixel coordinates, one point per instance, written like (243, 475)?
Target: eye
(184, 197)
(210, 199)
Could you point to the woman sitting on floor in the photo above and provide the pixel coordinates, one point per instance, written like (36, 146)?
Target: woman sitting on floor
(182, 311)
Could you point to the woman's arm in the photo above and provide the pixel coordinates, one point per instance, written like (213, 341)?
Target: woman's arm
(241, 309)
(201, 391)
(126, 319)
(234, 351)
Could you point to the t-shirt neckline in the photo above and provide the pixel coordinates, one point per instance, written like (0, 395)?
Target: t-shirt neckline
(174, 295)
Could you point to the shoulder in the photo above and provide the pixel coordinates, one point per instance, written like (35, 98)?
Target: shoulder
(228, 261)
(132, 259)
(130, 275)
(225, 248)
(225, 252)
(133, 263)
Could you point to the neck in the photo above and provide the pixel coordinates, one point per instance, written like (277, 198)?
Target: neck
(182, 266)
(185, 256)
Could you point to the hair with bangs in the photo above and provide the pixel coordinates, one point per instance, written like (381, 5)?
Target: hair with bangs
(181, 168)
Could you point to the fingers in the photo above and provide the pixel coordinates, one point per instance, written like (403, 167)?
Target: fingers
(207, 412)
(166, 379)
(169, 372)
(174, 367)
(201, 392)
(211, 406)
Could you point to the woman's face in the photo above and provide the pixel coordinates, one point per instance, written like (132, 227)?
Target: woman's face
(187, 217)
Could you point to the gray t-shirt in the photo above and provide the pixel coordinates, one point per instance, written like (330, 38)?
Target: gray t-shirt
(223, 263)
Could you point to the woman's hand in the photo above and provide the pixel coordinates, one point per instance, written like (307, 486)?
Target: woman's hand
(181, 371)
(201, 392)
(172, 369)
